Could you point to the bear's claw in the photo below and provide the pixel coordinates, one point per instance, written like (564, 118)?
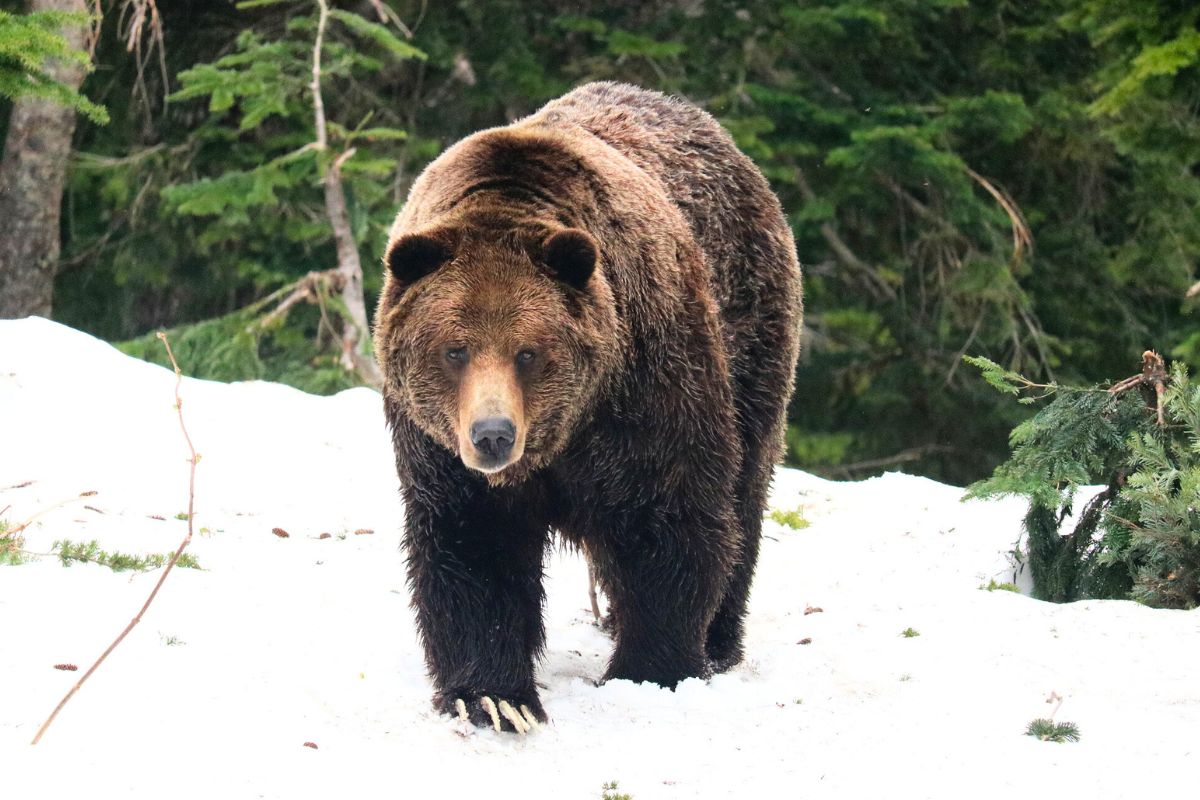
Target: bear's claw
(512, 716)
(498, 711)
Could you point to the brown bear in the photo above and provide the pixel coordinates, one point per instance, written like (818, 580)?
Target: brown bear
(589, 324)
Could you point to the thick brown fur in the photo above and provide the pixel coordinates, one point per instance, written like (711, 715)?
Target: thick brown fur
(651, 389)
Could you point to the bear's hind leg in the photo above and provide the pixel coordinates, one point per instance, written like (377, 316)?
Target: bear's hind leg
(725, 634)
(760, 394)
(664, 591)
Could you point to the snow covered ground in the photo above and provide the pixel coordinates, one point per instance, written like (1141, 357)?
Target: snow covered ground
(282, 641)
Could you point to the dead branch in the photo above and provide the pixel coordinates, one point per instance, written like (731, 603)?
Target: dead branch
(15, 530)
(137, 17)
(1153, 377)
(903, 457)
(916, 206)
(193, 460)
(307, 288)
(386, 15)
(958, 357)
(92, 37)
(1022, 237)
(880, 288)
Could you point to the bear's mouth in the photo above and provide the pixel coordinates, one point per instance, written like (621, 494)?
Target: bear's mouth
(489, 467)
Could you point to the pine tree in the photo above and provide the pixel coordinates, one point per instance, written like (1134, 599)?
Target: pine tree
(1139, 536)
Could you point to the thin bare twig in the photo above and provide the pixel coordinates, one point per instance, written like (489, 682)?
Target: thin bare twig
(193, 460)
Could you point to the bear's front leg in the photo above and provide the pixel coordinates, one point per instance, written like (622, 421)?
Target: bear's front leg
(475, 572)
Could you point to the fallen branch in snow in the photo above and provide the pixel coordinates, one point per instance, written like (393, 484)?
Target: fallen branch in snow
(592, 593)
(170, 564)
(17, 529)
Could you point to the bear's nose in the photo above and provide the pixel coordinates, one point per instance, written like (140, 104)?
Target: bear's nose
(493, 437)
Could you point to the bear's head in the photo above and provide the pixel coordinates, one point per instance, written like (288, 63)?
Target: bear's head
(494, 341)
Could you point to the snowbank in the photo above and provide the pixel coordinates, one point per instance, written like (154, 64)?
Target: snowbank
(282, 641)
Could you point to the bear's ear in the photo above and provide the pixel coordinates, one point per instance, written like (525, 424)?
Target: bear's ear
(415, 255)
(571, 256)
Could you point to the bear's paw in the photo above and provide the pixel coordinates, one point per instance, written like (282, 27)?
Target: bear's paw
(500, 713)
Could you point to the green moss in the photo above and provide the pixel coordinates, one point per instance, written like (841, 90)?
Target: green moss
(790, 519)
(992, 586)
(910, 633)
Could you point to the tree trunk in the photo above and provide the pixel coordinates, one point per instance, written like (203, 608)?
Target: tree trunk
(355, 331)
(32, 174)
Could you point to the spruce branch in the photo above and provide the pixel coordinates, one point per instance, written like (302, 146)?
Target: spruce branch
(193, 460)
(1009, 381)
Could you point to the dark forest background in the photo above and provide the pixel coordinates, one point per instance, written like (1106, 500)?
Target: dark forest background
(1016, 180)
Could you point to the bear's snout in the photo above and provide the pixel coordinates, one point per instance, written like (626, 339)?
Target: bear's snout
(493, 439)
(491, 421)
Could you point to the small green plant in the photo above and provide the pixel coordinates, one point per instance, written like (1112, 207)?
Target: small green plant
(182, 515)
(992, 586)
(1050, 731)
(906, 677)
(909, 633)
(79, 552)
(10, 546)
(610, 792)
(790, 519)
(171, 641)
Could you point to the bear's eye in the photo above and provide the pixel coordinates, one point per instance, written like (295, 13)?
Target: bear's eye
(457, 355)
(525, 357)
